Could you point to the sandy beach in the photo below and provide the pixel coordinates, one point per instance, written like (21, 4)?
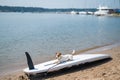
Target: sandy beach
(102, 70)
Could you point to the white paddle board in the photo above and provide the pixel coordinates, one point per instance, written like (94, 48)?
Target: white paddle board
(51, 66)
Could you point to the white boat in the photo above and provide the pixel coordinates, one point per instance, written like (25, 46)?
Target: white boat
(73, 12)
(90, 13)
(83, 13)
(51, 66)
(102, 10)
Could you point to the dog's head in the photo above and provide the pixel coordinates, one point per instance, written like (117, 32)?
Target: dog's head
(58, 54)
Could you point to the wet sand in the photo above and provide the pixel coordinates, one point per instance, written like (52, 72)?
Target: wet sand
(108, 69)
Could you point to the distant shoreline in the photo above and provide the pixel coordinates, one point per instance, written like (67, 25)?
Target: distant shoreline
(17, 9)
(39, 9)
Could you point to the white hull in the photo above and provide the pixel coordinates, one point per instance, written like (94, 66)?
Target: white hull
(50, 66)
(102, 11)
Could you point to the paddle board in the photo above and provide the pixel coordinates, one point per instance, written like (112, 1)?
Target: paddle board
(51, 66)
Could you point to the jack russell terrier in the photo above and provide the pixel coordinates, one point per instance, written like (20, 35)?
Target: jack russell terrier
(63, 58)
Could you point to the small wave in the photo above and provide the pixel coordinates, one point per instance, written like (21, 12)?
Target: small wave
(98, 48)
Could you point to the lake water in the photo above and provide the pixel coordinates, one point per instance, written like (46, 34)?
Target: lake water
(44, 34)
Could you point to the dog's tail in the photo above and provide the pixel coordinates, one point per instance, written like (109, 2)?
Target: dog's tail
(73, 52)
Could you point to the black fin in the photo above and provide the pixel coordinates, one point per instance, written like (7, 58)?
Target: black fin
(29, 61)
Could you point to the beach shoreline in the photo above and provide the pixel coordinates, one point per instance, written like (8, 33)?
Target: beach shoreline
(106, 71)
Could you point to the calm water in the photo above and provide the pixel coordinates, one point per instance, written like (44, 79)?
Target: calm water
(44, 34)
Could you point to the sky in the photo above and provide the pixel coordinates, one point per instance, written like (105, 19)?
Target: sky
(62, 3)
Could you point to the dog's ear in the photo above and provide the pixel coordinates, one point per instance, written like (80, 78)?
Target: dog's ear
(59, 54)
